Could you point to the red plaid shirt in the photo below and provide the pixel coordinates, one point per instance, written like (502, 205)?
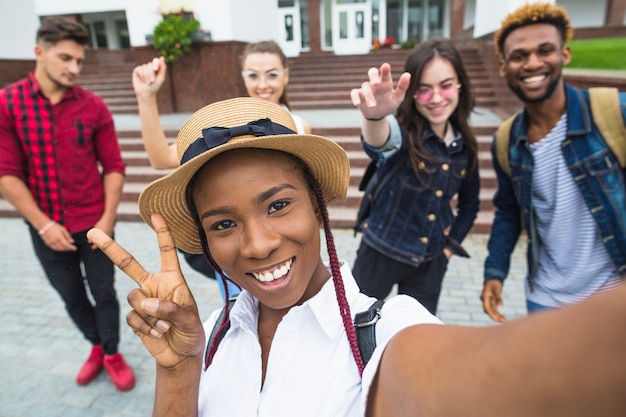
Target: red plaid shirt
(60, 151)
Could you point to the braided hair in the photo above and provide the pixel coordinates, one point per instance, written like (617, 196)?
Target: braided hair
(335, 267)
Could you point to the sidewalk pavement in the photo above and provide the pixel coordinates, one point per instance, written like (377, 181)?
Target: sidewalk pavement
(41, 350)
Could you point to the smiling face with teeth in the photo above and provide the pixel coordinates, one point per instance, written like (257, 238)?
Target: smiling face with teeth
(534, 57)
(261, 224)
(440, 80)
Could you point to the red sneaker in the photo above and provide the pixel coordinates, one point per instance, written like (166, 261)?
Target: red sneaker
(119, 371)
(91, 368)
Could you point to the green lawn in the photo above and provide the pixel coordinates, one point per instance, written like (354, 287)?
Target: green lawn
(607, 53)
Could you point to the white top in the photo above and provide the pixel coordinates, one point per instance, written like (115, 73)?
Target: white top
(297, 120)
(573, 262)
(311, 370)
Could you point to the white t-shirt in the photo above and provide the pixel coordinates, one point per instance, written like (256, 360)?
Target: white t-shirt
(297, 120)
(573, 262)
(311, 370)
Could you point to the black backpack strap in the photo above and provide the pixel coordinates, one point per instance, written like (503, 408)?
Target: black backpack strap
(216, 327)
(365, 326)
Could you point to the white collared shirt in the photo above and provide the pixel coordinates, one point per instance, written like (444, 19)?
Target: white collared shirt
(310, 370)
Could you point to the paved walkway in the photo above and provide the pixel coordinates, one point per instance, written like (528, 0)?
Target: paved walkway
(41, 351)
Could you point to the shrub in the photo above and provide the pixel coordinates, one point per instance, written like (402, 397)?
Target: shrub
(172, 36)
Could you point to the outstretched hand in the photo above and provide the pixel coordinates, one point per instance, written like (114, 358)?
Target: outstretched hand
(148, 78)
(377, 98)
(492, 300)
(165, 315)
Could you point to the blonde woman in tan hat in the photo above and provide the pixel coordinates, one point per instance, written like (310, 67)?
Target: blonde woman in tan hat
(251, 194)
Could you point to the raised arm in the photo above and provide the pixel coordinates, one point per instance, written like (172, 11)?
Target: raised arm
(376, 98)
(147, 80)
(567, 362)
(165, 317)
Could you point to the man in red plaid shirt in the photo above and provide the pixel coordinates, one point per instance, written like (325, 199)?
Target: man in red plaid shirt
(61, 167)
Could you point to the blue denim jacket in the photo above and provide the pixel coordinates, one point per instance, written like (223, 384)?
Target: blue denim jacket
(596, 173)
(411, 223)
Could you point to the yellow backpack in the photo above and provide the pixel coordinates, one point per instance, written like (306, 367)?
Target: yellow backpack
(607, 115)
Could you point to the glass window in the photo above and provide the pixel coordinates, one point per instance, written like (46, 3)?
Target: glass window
(359, 24)
(435, 17)
(122, 33)
(375, 19)
(100, 35)
(288, 27)
(415, 19)
(327, 23)
(286, 3)
(394, 19)
(343, 25)
(304, 23)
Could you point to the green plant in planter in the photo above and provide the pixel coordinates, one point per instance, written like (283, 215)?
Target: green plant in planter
(172, 36)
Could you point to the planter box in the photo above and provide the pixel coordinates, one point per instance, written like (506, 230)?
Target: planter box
(209, 72)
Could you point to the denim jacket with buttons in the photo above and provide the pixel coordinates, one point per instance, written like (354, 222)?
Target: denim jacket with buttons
(596, 173)
(411, 223)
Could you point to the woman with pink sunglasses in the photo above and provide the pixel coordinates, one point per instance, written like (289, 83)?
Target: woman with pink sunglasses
(419, 133)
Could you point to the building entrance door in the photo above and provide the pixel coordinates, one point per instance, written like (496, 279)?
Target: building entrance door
(289, 24)
(352, 27)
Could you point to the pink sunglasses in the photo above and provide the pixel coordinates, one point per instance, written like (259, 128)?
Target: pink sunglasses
(447, 90)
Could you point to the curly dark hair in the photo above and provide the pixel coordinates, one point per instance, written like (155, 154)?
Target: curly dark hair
(532, 14)
(54, 29)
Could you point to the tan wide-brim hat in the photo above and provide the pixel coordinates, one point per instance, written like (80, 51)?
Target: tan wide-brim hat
(327, 161)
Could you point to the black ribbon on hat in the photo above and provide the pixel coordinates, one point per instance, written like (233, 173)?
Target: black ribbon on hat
(216, 136)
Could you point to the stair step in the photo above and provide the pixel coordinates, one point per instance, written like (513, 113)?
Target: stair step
(317, 81)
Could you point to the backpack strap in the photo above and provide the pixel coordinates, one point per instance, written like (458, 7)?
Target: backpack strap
(503, 137)
(365, 326)
(215, 333)
(607, 115)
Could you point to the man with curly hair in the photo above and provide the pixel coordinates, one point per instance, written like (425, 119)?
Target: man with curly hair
(565, 186)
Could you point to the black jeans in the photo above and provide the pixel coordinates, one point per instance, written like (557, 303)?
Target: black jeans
(99, 323)
(376, 274)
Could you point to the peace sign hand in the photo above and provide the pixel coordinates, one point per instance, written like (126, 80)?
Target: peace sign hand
(165, 315)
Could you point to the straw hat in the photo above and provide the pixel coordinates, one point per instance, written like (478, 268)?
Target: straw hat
(327, 161)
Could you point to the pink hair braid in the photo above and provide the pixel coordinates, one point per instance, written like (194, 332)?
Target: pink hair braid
(344, 307)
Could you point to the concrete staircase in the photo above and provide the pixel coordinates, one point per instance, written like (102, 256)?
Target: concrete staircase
(113, 82)
(342, 214)
(324, 81)
(317, 81)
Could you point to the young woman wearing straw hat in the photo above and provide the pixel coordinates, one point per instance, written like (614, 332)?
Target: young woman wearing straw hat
(251, 194)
